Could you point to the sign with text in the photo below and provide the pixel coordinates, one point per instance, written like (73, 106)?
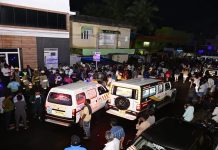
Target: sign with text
(96, 56)
(51, 57)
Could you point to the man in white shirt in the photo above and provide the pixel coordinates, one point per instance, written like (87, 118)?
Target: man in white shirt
(112, 143)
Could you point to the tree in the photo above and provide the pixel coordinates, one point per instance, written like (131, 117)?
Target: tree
(140, 14)
(136, 12)
(112, 9)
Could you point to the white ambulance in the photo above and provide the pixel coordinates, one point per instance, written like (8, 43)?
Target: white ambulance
(64, 103)
(129, 98)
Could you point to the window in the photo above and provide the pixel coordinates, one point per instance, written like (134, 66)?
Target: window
(91, 93)
(59, 98)
(7, 15)
(81, 98)
(32, 18)
(152, 91)
(42, 19)
(125, 92)
(102, 90)
(20, 16)
(148, 92)
(167, 86)
(61, 21)
(145, 93)
(86, 32)
(52, 20)
(159, 88)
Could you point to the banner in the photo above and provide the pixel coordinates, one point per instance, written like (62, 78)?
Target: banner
(51, 58)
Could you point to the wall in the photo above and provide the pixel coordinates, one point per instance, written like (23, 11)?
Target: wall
(77, 42)
(62, 45)
(27, 45)
(52, 5)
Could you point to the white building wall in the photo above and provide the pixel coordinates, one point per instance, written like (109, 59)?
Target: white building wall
(52, 5)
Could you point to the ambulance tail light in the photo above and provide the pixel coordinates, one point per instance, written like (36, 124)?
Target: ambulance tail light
(74, 112)
(46, 106)
(138, 107)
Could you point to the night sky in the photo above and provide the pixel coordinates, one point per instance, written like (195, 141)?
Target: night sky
(198, 16)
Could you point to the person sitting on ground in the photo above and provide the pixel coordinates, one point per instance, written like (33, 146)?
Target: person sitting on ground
(112, 143)
(189, 112)
(75, 144)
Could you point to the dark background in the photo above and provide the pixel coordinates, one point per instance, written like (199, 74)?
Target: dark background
(198, 16)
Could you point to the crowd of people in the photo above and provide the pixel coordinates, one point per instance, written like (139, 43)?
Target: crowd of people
(23, 91)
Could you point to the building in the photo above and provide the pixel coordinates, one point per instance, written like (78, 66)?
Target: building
(91, 34)
(34, 32)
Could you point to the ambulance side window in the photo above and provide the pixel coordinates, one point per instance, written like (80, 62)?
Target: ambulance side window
(80, 98)
(159, 88)
(102, 90)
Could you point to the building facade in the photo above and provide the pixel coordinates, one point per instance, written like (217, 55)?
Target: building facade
(34, 33)
(90, 34)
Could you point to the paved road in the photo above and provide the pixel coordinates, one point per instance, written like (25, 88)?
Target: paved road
(46, 136)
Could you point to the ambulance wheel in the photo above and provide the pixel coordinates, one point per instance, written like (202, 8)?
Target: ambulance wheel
(122, 103)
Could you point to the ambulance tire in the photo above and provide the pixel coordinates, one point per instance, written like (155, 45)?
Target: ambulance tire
(122, 103)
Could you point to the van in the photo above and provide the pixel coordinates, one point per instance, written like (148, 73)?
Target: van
(129, 98)
(64, 103)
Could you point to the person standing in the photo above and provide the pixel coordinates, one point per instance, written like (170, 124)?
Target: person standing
(112, 143)
(117, 131)
(192, 93)
(14, 86)
(20, 112)
(8, 108)
(37, 101)
(75, 144)
(6, 74)
(86, 115)
(29, 72)
(43, 80)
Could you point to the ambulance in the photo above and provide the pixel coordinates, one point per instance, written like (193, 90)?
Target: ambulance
(64, 103)
(129, 98)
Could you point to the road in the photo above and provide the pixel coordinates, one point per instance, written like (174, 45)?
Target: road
(46, 136)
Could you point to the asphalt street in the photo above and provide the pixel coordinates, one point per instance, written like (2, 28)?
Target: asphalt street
(47, 136)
